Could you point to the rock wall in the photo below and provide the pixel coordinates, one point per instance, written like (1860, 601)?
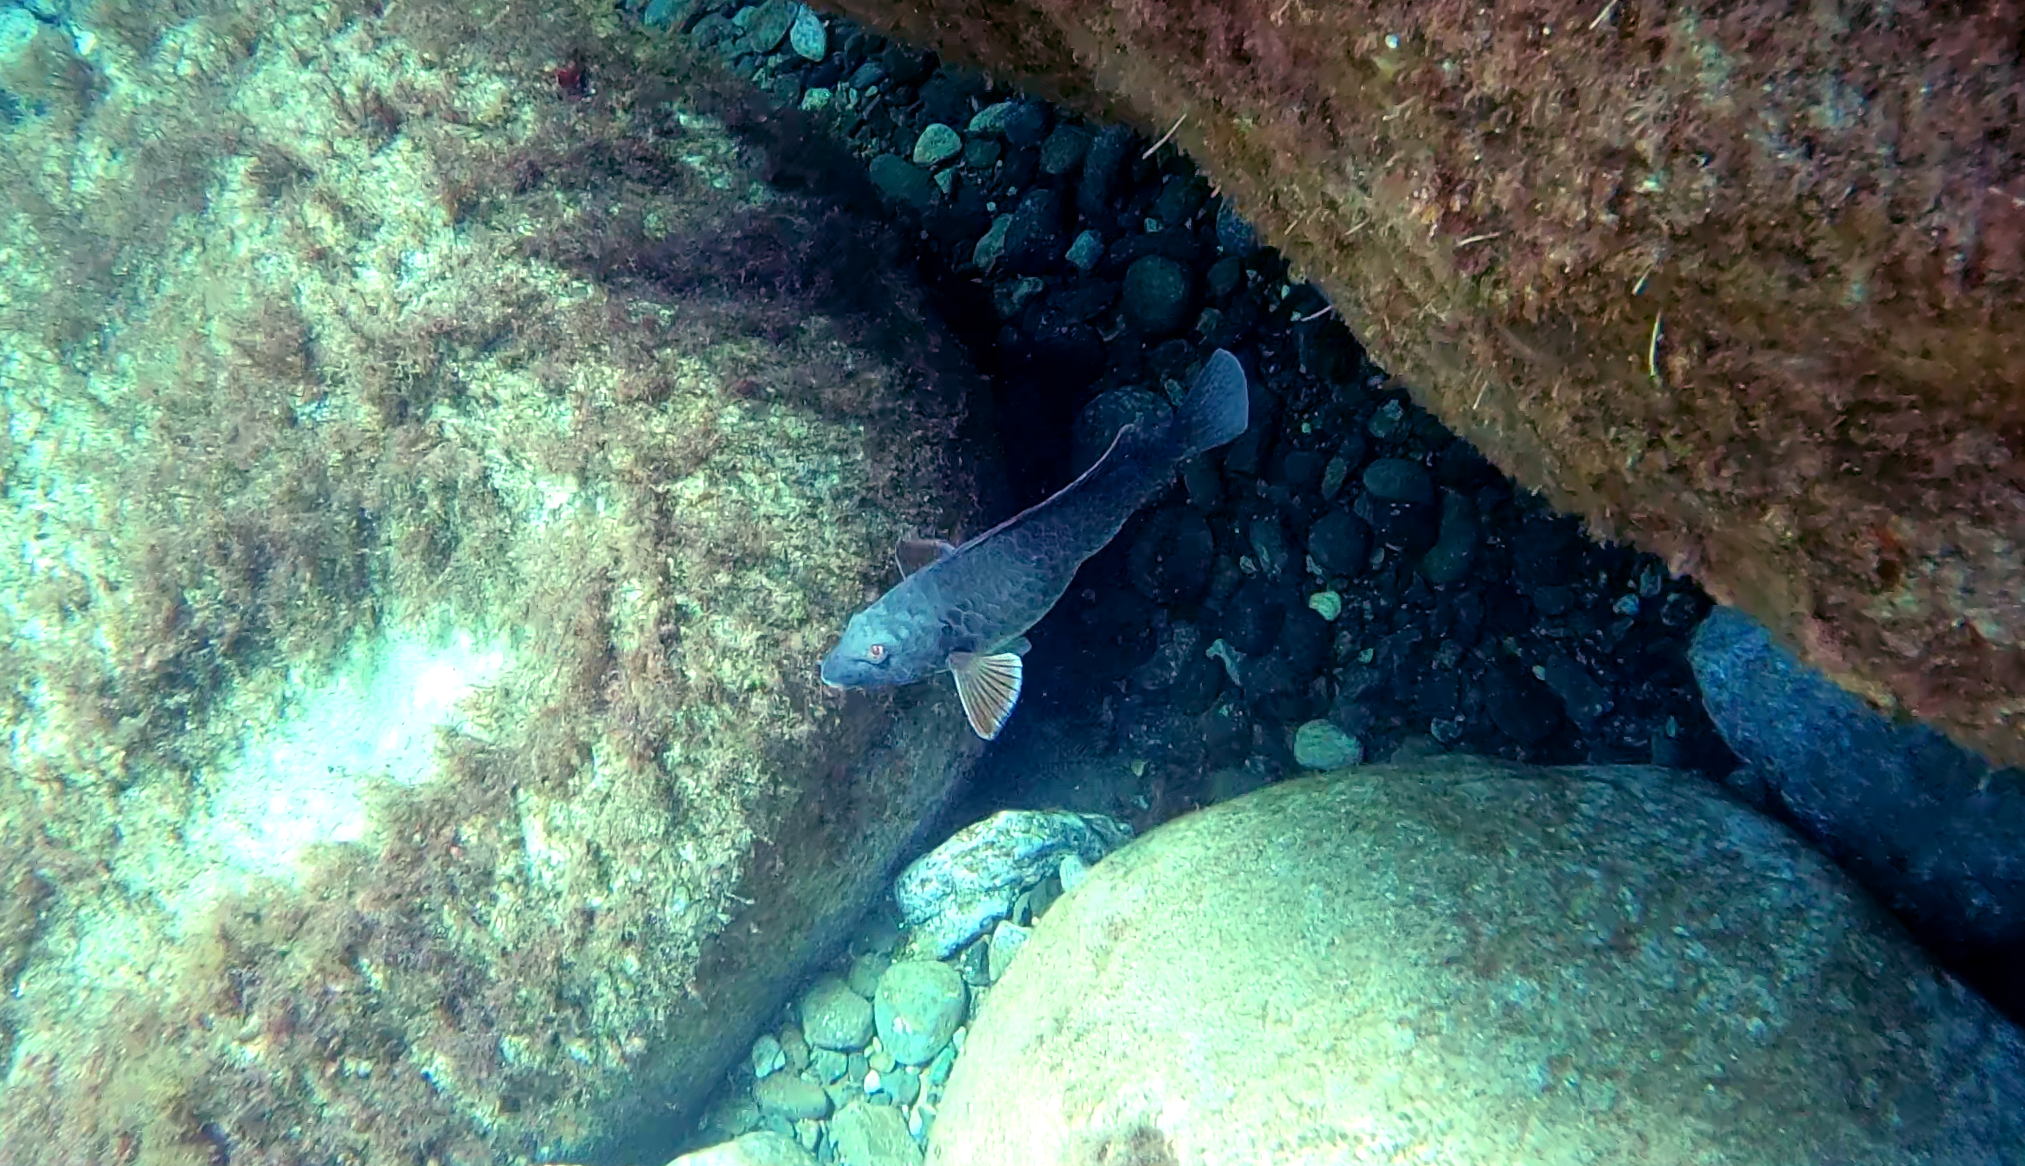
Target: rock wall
(1737, 285)
(443, 449)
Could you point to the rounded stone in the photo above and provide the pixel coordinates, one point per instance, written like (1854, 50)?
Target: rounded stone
(1485, 962)
(1063, 150)
(1020, 122)
(920, 1006)
(1234, 235)
(792, 1096)
(1086, 250)
(1340, 543)
(1157, 294)
(937, 144)
(1321, 745)
(768, 25)
(866, 1134)
(1398, 480)
(807, 36)
(1033, 239)
(1455, 545)
(834, 1017)
(902, 182)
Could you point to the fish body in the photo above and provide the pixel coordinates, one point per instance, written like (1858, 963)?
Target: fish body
(966, 609)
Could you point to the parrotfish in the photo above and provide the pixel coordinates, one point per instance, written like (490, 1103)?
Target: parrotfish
(966, 609)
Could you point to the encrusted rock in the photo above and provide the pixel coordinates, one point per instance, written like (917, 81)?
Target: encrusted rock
(954, 893)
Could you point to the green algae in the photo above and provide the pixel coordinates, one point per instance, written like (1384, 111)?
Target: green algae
(435, 485)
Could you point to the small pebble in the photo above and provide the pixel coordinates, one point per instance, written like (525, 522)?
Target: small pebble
(873, 1135)
(1233, 234)
(991, 119)
(980, 153)
(903, 1086)
(834, 1017)
(767, 1056)
(903, 182)
(937, 144)
(793, 1097)
(1063, 150)
(1225, 276)
(1398, 480)
(1321, 745)
(990, 246)
(1455, 545)
(1333, 475)
(865, 972)
(807, 36)
(828, 1064)
(1019, 122)
(1156, 294)
(921, 1003)
(1086, 250)
(768, 24)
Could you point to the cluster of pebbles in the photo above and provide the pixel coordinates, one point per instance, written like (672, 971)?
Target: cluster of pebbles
(854, 1070)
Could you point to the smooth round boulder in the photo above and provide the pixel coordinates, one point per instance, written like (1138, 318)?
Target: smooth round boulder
(1473, 962)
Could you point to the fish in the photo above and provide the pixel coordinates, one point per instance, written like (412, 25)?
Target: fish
(966, 609)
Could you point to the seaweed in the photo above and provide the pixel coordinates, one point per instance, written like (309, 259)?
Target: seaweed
(418, 354)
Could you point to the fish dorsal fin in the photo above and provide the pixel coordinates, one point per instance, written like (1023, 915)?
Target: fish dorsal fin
(915, 553)
(988, 686)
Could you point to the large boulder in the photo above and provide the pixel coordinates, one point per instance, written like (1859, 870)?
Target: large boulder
(1741, 287)
(438, 456)
(1473, 962)
(1931, 829)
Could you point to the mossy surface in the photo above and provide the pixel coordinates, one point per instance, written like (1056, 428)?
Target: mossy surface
(1736, 283)
(458, 361)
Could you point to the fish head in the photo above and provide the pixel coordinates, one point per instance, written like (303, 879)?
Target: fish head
(878, 650)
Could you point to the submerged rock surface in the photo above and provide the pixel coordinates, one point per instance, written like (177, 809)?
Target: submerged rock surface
(1934, 831)
(446, 449)
(1474, 962)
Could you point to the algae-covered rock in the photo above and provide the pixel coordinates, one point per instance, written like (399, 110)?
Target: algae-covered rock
(436, 458)
(1473, 962)
(1743, 287)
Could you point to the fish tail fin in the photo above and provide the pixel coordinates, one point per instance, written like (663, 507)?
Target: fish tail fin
(1217, 408)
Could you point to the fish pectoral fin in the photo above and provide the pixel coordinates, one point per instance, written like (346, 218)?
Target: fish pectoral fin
(912, 554)
(1019, 647)
(988, 686)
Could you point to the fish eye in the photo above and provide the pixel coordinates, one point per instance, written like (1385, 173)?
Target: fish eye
(875, 653)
